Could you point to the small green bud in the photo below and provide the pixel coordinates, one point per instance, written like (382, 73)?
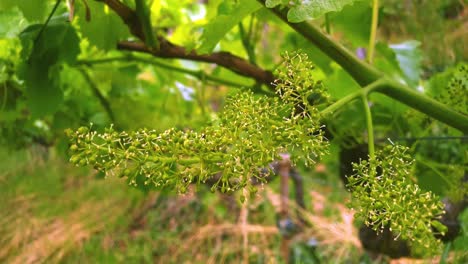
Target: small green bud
(75, 159)
(83, 130)
(92, 159)
(242, 198)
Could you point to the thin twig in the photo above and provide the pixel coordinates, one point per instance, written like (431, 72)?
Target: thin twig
(247, 45)
(105, 104)
(374, 25)
(197, 74)
(227, 60)
(170, 50)
(424, 138)
(47, 21)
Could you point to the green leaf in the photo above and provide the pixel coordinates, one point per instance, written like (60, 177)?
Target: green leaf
(409, 57)
(43, 93)
(341, 84)
(222, 24)
(11, 23)
(33, 10)
(355, 22)
(401, 61)
(104, 29)
(273, 3)
(42, 57)
(311, 9)
(7, 4)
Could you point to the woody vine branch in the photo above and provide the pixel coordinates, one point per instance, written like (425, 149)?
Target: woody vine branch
(362, 72)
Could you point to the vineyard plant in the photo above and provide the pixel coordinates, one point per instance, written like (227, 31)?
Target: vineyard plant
(233, 131)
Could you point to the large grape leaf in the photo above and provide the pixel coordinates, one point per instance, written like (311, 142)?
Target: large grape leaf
(341, 84)
(311, 9)
(355, 22)
(104, 29)
(42, 58)
(43, 93)
(224, 22)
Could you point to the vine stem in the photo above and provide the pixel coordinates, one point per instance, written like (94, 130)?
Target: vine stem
(408, 97)
(374, 25)
(370, 127)
(5, 96)
(249, 48)
(327, 24)
(350, 97)
(362, 72)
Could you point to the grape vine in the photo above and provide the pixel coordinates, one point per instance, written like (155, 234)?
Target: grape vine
(250, 133)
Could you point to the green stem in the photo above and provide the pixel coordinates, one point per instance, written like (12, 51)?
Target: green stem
(370, 127)
(144, 15)
(363, 73)
(374, 25)
(198, 74)
(327, 24)
(350, 97)
(200, 96)
(5, 96)
(409, 97)
(251, 26)
(247, 45)
(47, 21)
(424, 104)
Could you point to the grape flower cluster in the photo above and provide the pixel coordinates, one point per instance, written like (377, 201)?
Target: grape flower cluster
(385, 196)
(250, 133)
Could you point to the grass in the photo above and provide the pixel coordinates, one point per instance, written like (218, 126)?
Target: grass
(52, 212)
(51, 209)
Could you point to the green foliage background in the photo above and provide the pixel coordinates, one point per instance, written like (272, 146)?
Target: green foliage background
(61, 68)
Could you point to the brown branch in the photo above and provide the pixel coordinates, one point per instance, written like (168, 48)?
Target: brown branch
(225, 59)
(128, 16)
(170, 50)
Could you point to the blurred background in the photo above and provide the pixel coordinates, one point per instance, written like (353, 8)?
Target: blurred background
(53, 212)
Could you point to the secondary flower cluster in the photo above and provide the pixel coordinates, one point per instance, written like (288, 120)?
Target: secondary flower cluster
(249, 134)
(387, 197)
(456, 94)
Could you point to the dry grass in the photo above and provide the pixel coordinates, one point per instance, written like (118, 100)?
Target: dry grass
(44, 223)
(336, 235)
(219, 241)
(30, 239)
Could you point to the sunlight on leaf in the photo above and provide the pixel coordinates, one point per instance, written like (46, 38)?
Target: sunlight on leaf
(215, 30)
(311, 9)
